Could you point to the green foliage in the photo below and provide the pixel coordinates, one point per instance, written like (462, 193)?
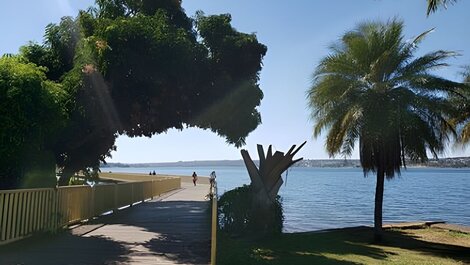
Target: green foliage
(58, 51)
(39, 171)
(234, 53)
(462, 101)
(139, 68)
(127, 8)
(235, 61)
(234, 210)
(372, 90)
(346, 246)
(82, 142)
(433, 5)
(31, 114)
(89, 135)
(92, 174)
(77, 181)
(237, 216)
(162, 77)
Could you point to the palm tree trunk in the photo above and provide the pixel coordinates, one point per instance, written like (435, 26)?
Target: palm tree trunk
(379, 195)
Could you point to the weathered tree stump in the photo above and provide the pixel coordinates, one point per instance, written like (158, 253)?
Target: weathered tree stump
(266, 182)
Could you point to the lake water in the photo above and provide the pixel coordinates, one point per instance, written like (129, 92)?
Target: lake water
(321, 198)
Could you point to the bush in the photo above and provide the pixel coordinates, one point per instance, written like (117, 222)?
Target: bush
(238, 214)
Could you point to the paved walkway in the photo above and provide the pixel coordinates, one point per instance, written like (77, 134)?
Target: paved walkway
(173, 229)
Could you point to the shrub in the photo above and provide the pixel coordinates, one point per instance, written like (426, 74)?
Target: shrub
(238, 215)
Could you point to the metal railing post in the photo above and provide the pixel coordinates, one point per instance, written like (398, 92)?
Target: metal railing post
(214, 222)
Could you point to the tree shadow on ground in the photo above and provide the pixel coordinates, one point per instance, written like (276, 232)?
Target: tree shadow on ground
(63, 248)
(180, 232)
(181, 228)
(342, 246)
(184, 231)
(402, 239)
(293, 248)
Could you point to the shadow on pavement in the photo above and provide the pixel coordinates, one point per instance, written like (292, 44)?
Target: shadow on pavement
(182, 229)
(62, 249)
(176, 231)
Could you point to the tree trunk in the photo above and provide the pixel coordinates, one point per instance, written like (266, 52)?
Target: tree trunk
(265, 184)
(262, 216)
(379, 195)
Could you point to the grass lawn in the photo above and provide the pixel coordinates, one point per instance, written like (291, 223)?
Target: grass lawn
(349, 246)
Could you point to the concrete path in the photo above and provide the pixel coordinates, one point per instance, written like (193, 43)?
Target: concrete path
(173, 229)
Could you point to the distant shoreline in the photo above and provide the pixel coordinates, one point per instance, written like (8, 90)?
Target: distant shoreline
(455, 162)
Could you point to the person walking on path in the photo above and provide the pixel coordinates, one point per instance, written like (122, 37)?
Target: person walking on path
(212, 178)
(194, 178)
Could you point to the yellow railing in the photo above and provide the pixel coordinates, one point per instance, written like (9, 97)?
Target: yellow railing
(213, 194)
(27, 211)
(23, 212)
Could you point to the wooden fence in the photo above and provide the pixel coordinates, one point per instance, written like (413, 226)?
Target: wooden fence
(27, 211)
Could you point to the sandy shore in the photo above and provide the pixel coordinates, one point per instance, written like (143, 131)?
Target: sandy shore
(143, 177)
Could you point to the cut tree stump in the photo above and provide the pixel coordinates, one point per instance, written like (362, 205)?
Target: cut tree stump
(266, 180)
(265, 184)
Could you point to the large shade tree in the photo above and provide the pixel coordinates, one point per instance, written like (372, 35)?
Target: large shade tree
(31, 115)
(86, 140)
(164, 70)
(141, 67)
(373, 91)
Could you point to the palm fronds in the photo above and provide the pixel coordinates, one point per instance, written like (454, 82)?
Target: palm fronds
(433, 5)
(371, 89)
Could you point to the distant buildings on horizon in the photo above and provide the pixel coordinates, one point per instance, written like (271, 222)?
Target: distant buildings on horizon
(455, 162)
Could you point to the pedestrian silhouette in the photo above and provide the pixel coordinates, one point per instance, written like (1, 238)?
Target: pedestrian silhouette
(194, 178)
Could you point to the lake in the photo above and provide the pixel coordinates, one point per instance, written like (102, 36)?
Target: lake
(322, 198)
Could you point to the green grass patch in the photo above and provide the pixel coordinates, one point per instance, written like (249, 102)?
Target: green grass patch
(347, 246)
(458, 234)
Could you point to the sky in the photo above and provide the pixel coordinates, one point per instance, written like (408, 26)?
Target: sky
(297, 34)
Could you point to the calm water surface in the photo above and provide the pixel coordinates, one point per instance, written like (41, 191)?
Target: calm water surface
(320, 198)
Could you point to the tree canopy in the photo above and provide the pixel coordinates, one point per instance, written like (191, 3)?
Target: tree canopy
(139, 68)
(58, 50)
(160, 76)
(31, 114)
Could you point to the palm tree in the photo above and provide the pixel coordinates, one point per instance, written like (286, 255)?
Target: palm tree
(372, 90)
(433, 5)
(462, 101)
(465, 114)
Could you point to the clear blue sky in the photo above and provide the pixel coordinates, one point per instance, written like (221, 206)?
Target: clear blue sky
(297, 34)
